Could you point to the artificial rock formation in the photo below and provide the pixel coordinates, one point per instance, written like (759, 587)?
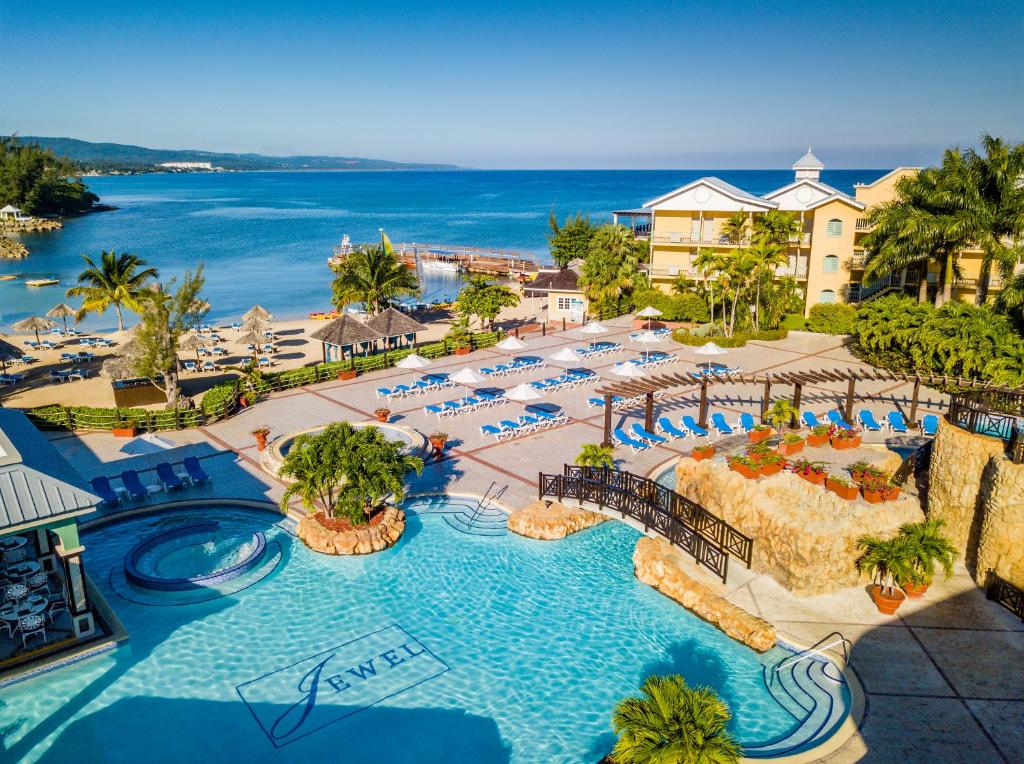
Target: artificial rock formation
(363, 540)
(805, 537)
(659, 564)
(1001, 540)
(542, 520)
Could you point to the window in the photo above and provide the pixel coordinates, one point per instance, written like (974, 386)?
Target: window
(564, 303)
(831, 264)
(834, 227)
(827, 296)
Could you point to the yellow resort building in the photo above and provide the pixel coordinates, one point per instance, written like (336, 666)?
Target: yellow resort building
(827, 258)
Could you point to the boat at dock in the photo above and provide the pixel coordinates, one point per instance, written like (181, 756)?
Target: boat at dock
(41, 282)
(8, 277)
(436, 264)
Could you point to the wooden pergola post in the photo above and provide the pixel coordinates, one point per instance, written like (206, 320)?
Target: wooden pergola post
(607, 419)
(851, 390)
(765, 400)
(913, 401)
(798, 389)
(649, 412)
(703, 403)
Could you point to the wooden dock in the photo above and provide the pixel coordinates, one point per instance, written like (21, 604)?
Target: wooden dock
(477, 259)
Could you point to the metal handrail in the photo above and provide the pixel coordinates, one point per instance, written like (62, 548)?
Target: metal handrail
(817, 648)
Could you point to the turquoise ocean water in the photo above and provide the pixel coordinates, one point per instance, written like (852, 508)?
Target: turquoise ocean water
(265, 237)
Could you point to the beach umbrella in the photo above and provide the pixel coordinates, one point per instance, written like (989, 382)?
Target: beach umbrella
(593, 328)
(647, 338)
(523, 393)
(467, 377)
(256, 325)
(413, 362)
(252, 338)
(511, 344)
(34, 324)
(566, 356)
(259, 312)
(192, 342)
(147, 445)
(7, 351)
(62, 311)
(709, 349)
(628, 370)
(649, 312)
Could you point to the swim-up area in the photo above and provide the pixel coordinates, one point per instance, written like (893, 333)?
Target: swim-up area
(461, 643)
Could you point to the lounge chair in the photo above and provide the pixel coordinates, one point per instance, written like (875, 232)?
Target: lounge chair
(209, 366)
(490, 429)
(171, 481)
(692, 426)
(644, 434)
(551, 417)
(196, 474)
(511, 429)
(27, 359)
(665, 425)
(746, 422)
(101, 487)
(867, 420)
(434, 409)
(134, 486)
(719, 423)
(837, 419)
(810, 419)
(10, 379)
(189, 366)
(264, 361)
(635, 445)
(930, 424)
(384, 392)
(896, 421)
(533, 422)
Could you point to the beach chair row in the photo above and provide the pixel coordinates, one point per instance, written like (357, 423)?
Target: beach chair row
(618, 402)
(96, 342)
(208, 366)
(653, 360)
(894, 421)
(517, 366)
(67, 375)
(11, 379)
(599, 349)
(425, 384)
(464, 405)
(571, 378)
(660, 332)
(513, 428)
(134, 489)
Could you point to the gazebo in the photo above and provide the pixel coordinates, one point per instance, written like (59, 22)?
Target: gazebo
(10, 212)
(397, 329)
(346, 336)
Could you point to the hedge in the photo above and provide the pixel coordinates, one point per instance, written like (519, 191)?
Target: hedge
(89, 418)
(738, 340)
(832, 318)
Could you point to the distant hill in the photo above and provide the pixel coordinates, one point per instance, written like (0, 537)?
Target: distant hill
(119, 157)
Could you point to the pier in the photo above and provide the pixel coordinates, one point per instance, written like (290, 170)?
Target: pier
(459, 257)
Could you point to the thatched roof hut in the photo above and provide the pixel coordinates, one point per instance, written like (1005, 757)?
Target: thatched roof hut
(346, 333)
(394, 323)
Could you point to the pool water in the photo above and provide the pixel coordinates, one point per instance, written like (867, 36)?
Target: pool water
(450, 647)
(196, 555)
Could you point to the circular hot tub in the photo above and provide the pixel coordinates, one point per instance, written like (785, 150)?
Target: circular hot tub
(194, 556)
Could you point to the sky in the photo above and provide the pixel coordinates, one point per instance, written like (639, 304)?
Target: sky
(524, 84)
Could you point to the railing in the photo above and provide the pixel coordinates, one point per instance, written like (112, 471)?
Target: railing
(890, 281)
(1006, 594)
(863, 224)
(992, 413)
(718, 240)
(817, 648)
(686, 524)
(917, 461)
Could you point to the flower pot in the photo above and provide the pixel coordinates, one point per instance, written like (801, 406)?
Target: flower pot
(848, 492)
(346, 374)
(243, 402)
(438, 444)
(788, 449)
(744, 470)
(261, 439)
(892, 492)
(462, 351)
(873, 496)
(772, 469)
(817, 441)
(886, 603)
(914, 591)
(815, 478)
(698, 454)
(756, 436)
(382, 414)
(843, 444)
(124, 432)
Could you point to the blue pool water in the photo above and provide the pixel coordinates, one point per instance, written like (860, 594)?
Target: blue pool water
(484, 649)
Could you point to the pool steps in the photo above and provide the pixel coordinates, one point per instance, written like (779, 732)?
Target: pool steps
(468, 519)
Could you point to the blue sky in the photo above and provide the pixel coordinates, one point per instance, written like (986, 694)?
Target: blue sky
(525, 84)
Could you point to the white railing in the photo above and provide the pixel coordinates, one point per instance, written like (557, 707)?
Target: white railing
(839, 640)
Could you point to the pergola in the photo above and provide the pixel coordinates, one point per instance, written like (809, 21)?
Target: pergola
(647, 387)
(398, 329)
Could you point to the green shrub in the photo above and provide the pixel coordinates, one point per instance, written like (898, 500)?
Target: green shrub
(92, 418)
(794, 322)
(832, 318)
(738, 340)
(687, 307)
(218, 400)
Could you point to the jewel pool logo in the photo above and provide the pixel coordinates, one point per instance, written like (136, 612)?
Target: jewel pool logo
(300, 699)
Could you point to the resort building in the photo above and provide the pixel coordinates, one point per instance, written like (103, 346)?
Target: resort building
(560, 287)
(827, 258)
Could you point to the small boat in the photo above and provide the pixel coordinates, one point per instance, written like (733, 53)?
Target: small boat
(446, 266)
(8, 277)
(41, 282)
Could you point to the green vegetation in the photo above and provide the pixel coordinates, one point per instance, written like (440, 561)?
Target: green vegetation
(928, 547)
(39, 182)
(794, 322)
(484, 299)
(737, 340)
(887, 561)
(674, 307)
(782, 413)
(570, 241)
(832, 318)
(373, 276)
(673, 722)
(118, 280)
(595, 455)
(610, 272)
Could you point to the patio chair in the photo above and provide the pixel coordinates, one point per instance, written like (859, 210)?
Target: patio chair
(810, 419)
(31, 626)
(101, 487)
(634, 445)
(867, 420)
(720, 425)
(196, 474)
(434, 409)
(533, 422)
(171, 481)
(837, 419)
(384, 392)
(645, 434)
(692, 426)
(930, 424)
(665, 425)
(265, 362)
(134, 486)
(209, 366)
(896, 421)
(489, 429)
(58, 604)
(551, 417)
(746, 422)
(512, 429)
(38, 582)
(10, 379)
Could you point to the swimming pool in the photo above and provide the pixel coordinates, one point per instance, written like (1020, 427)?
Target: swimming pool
(453, 645)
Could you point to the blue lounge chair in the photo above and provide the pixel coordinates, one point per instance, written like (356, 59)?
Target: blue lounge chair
(189, 366)
(692, 426)
(434, 409)
(196, 474)
(719, 423)
(552, 418)
(533, 422)
(896, 421)
(511, 429)
(665, 425)
(810, 419)
(487, 371)
(635, 445)
(837, 419)
(134, 486)
(209, 366)
(746, 422)
(171, 481)
(930, 424)
(643, 434)
(101, 487)
(867, 420)
(490, 429)
(28, 359)
(10, 379)
(384, 392)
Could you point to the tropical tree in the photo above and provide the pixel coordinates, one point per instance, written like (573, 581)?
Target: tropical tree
(595, 455)
(482, 298)
(671, 723)
(376, 468)
(777, 227)
(708, 264)
(736, 229)
(118, 280)
(611, 270)
(887, 561)
(779, 297)
(767, 256)
(570, 241)
(928, 547)
(373, 276)
(739, 274)
(40, 182)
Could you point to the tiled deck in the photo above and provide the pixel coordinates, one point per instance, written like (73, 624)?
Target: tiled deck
(942, 679)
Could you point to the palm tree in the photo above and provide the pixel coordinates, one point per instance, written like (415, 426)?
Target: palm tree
(928, 546)
(777, 227)
(673, 723)
(736, 228)
(118, 280)
(611, 270)
(887, 561)
(595, 455)
(372, 276)
(739, 272)
(707, 264)
(767, 256)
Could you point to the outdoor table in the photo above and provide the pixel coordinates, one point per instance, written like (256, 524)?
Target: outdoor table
(23, 570)
(7, 543)
(33, 605)
(19, 590)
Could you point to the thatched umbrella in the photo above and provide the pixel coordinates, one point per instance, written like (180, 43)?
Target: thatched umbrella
(252, 338)
(7, 350)
(258, 311)
(192, 342)
(118, 367)
(62, 311)
(256, 325)
(33, 324)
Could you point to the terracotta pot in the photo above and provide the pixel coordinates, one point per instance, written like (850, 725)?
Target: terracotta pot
(772, 469)
(243, 402)
(438, 444)
(756, 436)
(744, 470)
(701, 454)
(873, 497)
(815, 478)
(887, 604)
(848, 492)
(914, 591)
(892, 492)
(817, 441)
(261, 439)
(463, 351)
(382, 415)
(124, 432)
(843, 444)
(346, 374)
(788, 449)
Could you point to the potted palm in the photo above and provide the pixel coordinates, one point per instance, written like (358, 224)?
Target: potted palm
(699, 453)
(928, 546)
(818, 436)
(383, 413)
(842, 487)
(886, 561)
(438, 440)
(782, 414)
(595, 455)
(460, 337)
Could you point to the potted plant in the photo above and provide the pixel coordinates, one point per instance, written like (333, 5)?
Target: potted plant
(842, 487)
(772, 463)
(843, 439)
(383, 413)
(818, 436)
(858, 470)
(927, 546)
(703, 452)
(746, 466)
(261, 434)
(782, 414)
(891, 492)
(438, 440)
(596, 456)
(812, 472)
(791, 444)
(124, 430)
(759, 433)
(460, 337)
(349, 373)
(873, 488)
(885, 561)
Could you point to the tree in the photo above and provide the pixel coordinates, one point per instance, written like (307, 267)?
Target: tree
(118, 280)
(777, 227)
(373, 276)
(595, 455)
(479, 297)
(736, 229)
(739, 274)
(673, 722)
(376, 469)
(708, 264)
(166, 316)
(767, 256)
(611, 270)
(570, 241)
(887, 561)
(928, 547)
(39, 182)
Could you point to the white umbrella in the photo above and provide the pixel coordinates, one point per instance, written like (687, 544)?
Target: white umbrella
(467, 377)
(566, 356)
(649, 312)
(413, 361)
(511, 343)
(523, 392)
(628, 370)
(710, 349)
(648, 338)
(593, 328)
(146, 445)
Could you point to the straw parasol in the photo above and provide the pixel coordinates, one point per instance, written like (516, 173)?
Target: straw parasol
(7, 350)
(252, 338)
(192, 342)
(256, 325)
(709, 349)
(33, 324)
(62, 311)
(258, 311)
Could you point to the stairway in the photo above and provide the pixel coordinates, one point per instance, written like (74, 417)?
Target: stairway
(814, 691)
(471, 519)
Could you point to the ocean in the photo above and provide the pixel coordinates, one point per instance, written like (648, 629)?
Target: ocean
(265, 236)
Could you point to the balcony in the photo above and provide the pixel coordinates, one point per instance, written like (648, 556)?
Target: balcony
(863, 224)
(799, 271)
(672, 272)
(856, 262)
(685, 239)
(995, 281)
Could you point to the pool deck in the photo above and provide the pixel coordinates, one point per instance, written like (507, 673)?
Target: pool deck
(942, 679)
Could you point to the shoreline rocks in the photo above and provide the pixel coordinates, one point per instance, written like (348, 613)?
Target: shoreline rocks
(363, 540)
(11, 249)
(550, 522)
(32, 225)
